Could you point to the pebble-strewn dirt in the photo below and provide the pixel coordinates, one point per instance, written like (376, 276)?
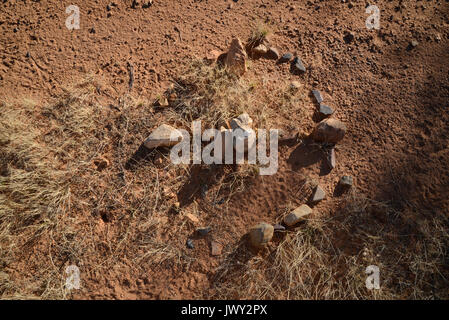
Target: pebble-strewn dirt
(392, 96)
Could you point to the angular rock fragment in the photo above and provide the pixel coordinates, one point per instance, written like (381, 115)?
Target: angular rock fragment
(163, 136)
(236, 58)
(318, 195)
(345, 182)
(297, 215)
(297, 67)
(325, 111)
(216, 248)
(273, 53)
(261, 234)
(329, 130)
(317, 96)
(286, 57)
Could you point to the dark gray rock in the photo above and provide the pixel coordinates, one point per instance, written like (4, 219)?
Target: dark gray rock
(286, 57)
(278, 227)
(297, 66)
(317, 96)
(190, 244)
(325, 111)
(203, 231)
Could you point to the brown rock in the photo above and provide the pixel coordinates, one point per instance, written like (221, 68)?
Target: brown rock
(236, 58)
(297, 215)
(329, 130)
(261, 234)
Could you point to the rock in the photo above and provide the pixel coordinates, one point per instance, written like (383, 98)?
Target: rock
(203, 231)
(162, 102)
(193, 218)
(414, 43)
(260, 50)
(147, 4)
(242, 125)
(329, 130)
(261, 234)
(297, 66)
(318, 195)
(345, 182)
(163, 136)
(286, 57)
(213, 55)
(243, 120)
(273, 53)
(297, 215)
(295, 86)
(278, 227)
(216, 248)
(236, 58)
(190, 244)
(325, 111)
(317, 96)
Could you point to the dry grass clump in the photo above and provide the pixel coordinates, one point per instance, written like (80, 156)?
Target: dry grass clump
(326, 259)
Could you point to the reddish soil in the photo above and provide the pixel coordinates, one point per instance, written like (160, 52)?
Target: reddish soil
(392, 97)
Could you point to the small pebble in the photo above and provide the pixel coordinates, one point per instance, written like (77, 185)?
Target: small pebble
(190, 244)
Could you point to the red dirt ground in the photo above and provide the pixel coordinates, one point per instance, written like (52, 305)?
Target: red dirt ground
(393, 98)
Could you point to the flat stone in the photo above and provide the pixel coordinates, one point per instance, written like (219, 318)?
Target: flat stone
(297, 66)
(216, 248)
(297, 215)
(273, 53)
(325, 110)
(236, 58)
(163, 136)
(241, 121)
(261, 234)
(317, 96)
(318, 195)
(329, 130)
(286, 57)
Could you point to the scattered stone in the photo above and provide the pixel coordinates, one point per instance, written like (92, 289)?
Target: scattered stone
(203, 231)
(414, 43)
(349, 37)
(216, 248)
(325, 111)
(295, 86)
(260, 50)
(162, 102)
(278, 227)
(286, 57)
(247, 135)
(329, 130)
(243, 120)
(190, 244)
(345, 182)
(236, 58)
(163, 136)
(273, 53)
(297, 215)
(261, 234)
(193, 218)
(147, 4)
(317, 96)
(92, 30)
(318, 195)
(297, 66)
